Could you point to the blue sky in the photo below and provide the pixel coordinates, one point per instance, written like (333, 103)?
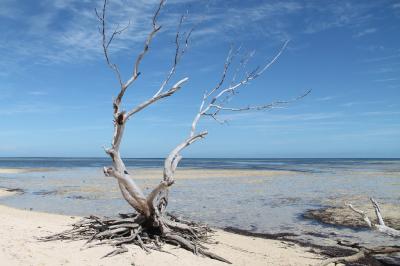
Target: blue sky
(56, 90)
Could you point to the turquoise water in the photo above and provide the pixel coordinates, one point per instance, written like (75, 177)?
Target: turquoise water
(76, 186)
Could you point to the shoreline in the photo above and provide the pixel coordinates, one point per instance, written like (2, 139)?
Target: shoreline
(153, 174)
(18, 246)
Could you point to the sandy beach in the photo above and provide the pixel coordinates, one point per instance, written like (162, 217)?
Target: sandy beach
(23, 170)
(18, 246)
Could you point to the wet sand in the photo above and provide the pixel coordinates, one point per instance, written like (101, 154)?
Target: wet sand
(18, 246)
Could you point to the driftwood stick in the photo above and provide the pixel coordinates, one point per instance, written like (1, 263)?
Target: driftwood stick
(380, 226)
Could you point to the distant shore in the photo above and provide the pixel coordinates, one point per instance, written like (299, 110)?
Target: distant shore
(181, 173)
(18, 246)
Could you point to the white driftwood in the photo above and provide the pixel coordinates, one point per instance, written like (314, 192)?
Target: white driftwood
(153, 206)
(131, 192)
(380, 226)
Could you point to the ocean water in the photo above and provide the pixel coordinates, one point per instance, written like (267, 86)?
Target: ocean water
(301, 165)
(260, 203)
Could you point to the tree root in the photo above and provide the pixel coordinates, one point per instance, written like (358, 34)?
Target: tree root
(135, 229)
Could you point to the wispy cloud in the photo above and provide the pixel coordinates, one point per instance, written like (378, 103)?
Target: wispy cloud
(47, 37)
(354, 103)
(36, 108)
(381, 113)
(77, 38)
(383, 70)
(382, 58)
(386, 80)
(54, 39)
(271, 117)
(326, 98)
(365, 32)
(37, 93)
(368, 133)
(339, 14)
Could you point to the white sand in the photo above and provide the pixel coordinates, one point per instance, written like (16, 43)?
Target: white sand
(23, 170)
(18, 246)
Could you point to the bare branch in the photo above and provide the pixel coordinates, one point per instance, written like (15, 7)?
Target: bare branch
(106, 43)
(381, 227)
(273, 59)
(146, 103)
(117, 31)
(207, 105)
(242, 66)
(361, 213)
(259, 107)
(230, 91)
(228, 62)
(178, 54)
(377, 212)
(140, 57)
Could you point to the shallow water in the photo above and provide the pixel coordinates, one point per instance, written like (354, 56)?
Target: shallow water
(76, 186)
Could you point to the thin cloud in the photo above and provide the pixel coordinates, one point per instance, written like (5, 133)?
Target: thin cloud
(37, 93)
(365, 32)
(281, 117)
(339, 14)
(350, 104)
(386, 80)
(382, 58)
(381, 113)
(36, 108)
(326, 98)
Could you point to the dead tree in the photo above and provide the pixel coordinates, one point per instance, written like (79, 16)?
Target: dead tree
(151, 225)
